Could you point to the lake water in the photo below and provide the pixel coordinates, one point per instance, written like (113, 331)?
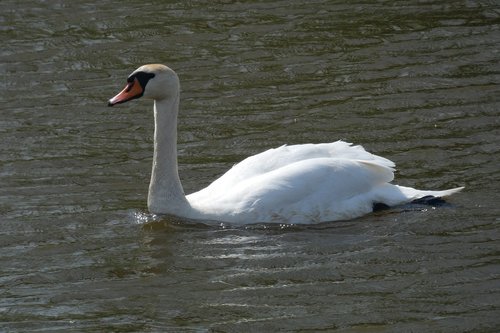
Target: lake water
(414, 81)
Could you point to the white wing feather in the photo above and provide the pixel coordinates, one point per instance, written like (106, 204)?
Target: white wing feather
(273, 159)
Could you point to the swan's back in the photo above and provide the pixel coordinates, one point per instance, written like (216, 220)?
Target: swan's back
(277, 158)
(301, 183)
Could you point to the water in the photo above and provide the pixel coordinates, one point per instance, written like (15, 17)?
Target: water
(415, 82)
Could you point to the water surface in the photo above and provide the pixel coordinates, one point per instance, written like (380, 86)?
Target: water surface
(415, 82)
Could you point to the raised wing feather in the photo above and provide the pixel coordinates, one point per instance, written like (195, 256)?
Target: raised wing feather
(274, 159)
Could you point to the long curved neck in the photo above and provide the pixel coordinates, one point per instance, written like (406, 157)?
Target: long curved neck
(166, 195)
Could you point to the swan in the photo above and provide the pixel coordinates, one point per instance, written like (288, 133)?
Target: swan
(306, 183)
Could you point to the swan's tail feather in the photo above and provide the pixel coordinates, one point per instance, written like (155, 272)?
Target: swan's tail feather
(449, 192)
(413, 194)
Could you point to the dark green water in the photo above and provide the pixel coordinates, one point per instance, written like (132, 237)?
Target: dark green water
(416, 82)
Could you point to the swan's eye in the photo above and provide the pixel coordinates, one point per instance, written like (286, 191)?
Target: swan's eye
(142, 78)
(130, 84)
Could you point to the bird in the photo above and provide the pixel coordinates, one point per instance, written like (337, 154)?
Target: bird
(291, 184)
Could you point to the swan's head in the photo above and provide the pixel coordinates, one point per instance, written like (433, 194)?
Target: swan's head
(151, 81)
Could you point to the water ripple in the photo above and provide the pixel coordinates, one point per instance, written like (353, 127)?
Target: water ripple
(415, 82)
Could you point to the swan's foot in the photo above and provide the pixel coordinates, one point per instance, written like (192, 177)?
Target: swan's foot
(378, 206)
(430, 200)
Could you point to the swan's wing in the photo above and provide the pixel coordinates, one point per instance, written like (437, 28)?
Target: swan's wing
(307, 189)
(277, 158)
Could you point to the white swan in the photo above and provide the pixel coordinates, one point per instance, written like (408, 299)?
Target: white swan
(307, 183)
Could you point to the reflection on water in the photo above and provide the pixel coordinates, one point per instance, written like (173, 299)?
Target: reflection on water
(417, 83)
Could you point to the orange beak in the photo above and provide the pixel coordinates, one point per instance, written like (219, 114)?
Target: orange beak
(131, 91)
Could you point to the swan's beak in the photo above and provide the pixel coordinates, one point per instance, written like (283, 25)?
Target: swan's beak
(131, 91)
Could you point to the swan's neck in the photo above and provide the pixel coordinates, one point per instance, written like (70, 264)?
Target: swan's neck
(166, 195)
